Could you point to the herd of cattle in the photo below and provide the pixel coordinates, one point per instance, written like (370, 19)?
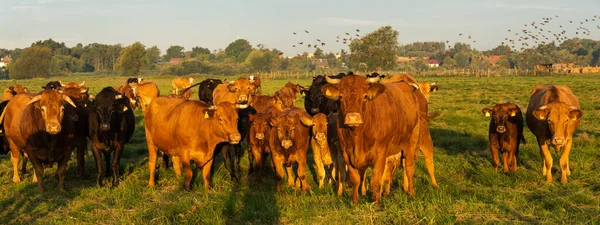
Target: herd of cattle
(350, 123)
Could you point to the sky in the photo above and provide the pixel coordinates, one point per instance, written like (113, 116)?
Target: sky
(215, 24)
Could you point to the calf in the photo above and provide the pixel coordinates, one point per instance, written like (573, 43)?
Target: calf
(553, 115)
(11, 91)
(35, 125)
(181, 83)
(288, 141)
(505, 134)
(111, 125)
(188, 130)
(320, 147)
(145, 92)
(258, 140)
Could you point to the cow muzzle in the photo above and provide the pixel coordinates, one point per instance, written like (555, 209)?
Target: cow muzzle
(320, 137)
(501, 129)
(286, 144)
(314, 110)
(104, 126)
(353, 119)
(558, 141)
(243, 98)
(260, 136)
(53, 128)
(235, 138)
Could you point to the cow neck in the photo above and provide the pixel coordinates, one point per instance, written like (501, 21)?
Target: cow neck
(44, 139)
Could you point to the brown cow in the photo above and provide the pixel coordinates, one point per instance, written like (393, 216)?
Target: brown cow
(11, 91)
(552, 116)
(291, 89)
(258, 140)
(424, 87)
(279, 101)
(35, 125)
(322, 153)
(145, 92)
(188, 130)
(505, 134)
(376, 121)
(288, 141)
(128, 92)
(181, 83)
(257, 84)
(239, 92)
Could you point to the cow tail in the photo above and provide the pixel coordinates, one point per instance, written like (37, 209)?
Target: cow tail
(433, 115)
(188, 88)
(2, 116)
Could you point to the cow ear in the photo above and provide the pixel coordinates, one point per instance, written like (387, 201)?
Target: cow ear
(541, 114)
(306, 120)
(487, 112)
(375, 90)
(575, 114)
(513, 112)
(303, 92)
(251, 117)
(232, 87)
(273, 121)
(331, 91)
(433, 88)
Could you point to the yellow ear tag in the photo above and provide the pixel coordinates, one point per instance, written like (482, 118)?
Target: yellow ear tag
(327, 92)
(542, 117)
(513, 114)
(84, 105)
(303, 94)
(487, 114)
(125, 108)
(205, 115)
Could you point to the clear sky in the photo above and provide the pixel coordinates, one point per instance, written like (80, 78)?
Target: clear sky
(216, 23)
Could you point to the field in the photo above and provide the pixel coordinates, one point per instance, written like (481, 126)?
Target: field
(470, 190)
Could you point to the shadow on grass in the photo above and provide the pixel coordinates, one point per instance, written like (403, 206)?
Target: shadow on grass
(24, 204)
(454, 142)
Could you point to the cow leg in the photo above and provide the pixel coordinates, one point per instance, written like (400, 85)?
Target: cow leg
(60, 170)
(226, 151)
(513, 161)
(107, 161)
(564, 162)
(290, 176)
(99, 166)
(318, 163)
(165, 164)
(38, 172)
(115, 164)
(24, 164)
(302, 175)
(391, 164)
(377, 179)
(81, 149)
(14, 159)
(206, 172)
(152, 154)
(187, 172)
(340, 168)
(177, 165)
(427, 150)
(279, 172)
(495, 158)
(546, 162)
(409, 161)
(238, 158)
(363, 185)
(258, 160)
(505, 159)
(251, 157)
(355, 179)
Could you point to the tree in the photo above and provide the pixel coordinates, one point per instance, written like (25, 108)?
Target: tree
(175, 51)
(133, 59)
(503, 62)
(378, 49)
(318, 54)
(66, 63)
(261, 60)
(34, 62)
(449, 62)
(239, 50)
(462, 59)
(500, 50)
(199, 51)
(153, 54)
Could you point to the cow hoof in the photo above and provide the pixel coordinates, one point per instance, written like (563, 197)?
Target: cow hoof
(16, 179)
(564, 181)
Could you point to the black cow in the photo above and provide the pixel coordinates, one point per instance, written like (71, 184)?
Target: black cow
(52, 85)
(111, 125)
(4, 148)
(205, 91)
(134, 80)
(315, 102)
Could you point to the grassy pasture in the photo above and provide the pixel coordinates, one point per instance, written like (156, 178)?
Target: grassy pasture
(470, 190)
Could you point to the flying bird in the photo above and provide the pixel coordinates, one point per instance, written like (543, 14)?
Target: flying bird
(322, 43)
(294, 33)
(357, 30)
(301, 42)
(306, 31)
(460, 34)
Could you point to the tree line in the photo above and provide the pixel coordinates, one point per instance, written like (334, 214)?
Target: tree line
(374, 51)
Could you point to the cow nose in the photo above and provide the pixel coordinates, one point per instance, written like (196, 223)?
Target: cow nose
(558, 141)
(243, 98)
(235, 138)
(260, 136)
(286, 144)
(501, 129)
(53, 128)
(353, 119)
(320, 136)
(314, 110)
(104, 126)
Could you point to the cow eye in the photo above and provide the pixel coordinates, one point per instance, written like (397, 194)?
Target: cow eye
(62, 109)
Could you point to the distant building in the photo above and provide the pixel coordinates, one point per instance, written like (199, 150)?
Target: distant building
(432, 63)
(175, 60)
(4, 62)
(493, 59)
(320, 63)
(401, 59)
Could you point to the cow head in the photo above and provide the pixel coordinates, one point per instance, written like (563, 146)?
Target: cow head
(500, 114)
(17, 89)
(295, 88)
(109, 104)
(260, 124)
(427, 88)
(286, 125)
(79, 96)
(50, 104)
(244, 88)
(283, 101)
(226, 117)
(560, 118)
(313, 96)
(353, 92)
(319, 130)
(52, 85)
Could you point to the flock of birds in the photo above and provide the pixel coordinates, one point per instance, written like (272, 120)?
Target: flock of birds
(532, 34)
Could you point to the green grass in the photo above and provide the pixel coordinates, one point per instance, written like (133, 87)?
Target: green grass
(470, 190)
